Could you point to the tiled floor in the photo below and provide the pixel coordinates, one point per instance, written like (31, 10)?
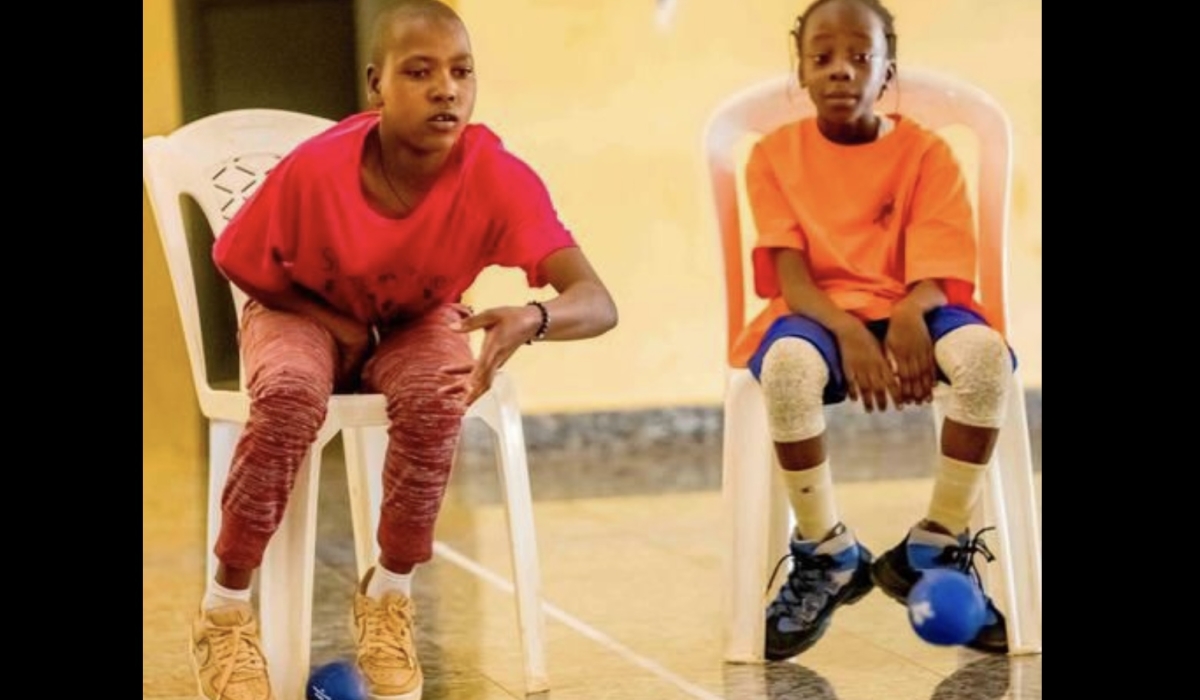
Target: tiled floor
(630, 550)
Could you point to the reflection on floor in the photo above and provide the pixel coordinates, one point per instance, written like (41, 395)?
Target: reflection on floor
(630, 550)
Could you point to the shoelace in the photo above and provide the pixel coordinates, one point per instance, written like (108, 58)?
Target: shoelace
(963, 557)
(238, 652)
(807, 586)
(387, 625)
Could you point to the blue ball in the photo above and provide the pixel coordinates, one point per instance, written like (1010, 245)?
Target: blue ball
(946, 608)
(339, 680)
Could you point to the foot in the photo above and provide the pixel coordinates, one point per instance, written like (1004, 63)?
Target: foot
(899, 569)
(387, 655)
(227, 655)
(824, 575)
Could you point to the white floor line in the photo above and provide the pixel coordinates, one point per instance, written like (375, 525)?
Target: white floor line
(453, 556)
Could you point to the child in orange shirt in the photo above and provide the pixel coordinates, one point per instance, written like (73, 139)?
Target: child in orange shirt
(866, 251)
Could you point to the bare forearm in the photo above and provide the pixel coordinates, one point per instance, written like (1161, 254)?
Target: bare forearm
(803, 296)
(584, 310)
(922, 297)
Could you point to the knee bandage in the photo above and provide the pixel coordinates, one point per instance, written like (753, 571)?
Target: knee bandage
(793, 380)
(977, 361)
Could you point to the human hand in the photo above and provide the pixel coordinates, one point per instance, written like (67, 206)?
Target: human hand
(353, 340)
(911, 348)
(869, 377)
(506, 328)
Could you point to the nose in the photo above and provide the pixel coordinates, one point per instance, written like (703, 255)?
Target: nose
(445, 89)
(840, 69)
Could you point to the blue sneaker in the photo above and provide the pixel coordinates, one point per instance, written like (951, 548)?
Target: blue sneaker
(899, 569)
(826, 574)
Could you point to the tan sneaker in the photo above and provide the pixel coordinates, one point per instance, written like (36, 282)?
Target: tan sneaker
(227, 655)
(387, 655)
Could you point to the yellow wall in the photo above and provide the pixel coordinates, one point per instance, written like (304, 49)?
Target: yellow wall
(171, 425)
(609, 109)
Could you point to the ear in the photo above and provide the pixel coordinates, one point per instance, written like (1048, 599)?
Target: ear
(374, 97)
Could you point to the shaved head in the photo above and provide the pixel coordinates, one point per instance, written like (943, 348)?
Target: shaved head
(403, 11)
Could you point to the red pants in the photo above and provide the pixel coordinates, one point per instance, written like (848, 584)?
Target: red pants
(290, 361)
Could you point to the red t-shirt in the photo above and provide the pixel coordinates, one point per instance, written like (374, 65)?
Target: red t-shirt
(309, 224)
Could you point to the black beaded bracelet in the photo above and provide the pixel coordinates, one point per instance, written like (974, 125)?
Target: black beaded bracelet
(545, 326)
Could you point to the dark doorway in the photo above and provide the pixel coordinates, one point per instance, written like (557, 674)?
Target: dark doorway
(297, 55)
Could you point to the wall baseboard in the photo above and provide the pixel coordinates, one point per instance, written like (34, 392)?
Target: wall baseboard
(673, 449)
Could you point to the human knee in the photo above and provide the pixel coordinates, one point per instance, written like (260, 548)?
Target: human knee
(976, 359)
(794, 375)
(292, 394)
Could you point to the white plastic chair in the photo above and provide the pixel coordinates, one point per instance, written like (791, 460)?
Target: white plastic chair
(758, 514)
(218, 161)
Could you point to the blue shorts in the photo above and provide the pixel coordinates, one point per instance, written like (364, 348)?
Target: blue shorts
(941, 321)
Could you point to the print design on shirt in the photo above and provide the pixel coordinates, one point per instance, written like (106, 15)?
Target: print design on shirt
(884, 217)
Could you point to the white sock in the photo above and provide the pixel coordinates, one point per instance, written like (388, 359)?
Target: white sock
(956, 488)
(811, 494)
(383, 581)
(217, 595)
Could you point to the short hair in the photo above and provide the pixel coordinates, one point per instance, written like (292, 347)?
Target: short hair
(405, 10)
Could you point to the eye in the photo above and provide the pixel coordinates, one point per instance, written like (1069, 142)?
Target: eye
(417, 72)
(862, 58)
(463, 72)
(819, 59)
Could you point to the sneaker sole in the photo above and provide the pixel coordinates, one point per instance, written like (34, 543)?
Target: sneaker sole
(410, 695)
(888, 581)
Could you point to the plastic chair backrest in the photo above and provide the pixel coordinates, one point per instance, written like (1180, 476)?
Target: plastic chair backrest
(931, 98)
(218, 161)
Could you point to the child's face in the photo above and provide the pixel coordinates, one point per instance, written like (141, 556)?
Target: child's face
(426, 85)
(844, 60)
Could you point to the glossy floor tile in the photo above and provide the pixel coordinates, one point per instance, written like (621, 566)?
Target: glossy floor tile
(631, 571)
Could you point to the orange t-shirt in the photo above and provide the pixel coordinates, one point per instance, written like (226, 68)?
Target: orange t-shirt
(871, 219)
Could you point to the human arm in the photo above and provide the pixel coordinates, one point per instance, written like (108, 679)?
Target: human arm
(255, 252)
(353, 337)
(939, 267)
(868, 375)
(909, 343)
(583, 309)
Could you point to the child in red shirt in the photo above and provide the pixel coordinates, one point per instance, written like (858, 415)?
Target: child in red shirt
(866, 251)
(355, 253)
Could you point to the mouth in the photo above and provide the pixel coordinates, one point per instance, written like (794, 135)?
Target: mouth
(841, 96)
(444, 118)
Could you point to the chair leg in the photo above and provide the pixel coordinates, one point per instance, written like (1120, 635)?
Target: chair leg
(1009, 503)
(757, 517)
(222, 439)
(499, 410)
(365, 450)
(285, 581)
(1012, 501)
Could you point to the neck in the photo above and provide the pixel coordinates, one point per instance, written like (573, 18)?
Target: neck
(407, 167)
(861, 130)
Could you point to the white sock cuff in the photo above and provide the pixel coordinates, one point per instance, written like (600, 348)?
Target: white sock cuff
(217, 595)
(383, 581)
